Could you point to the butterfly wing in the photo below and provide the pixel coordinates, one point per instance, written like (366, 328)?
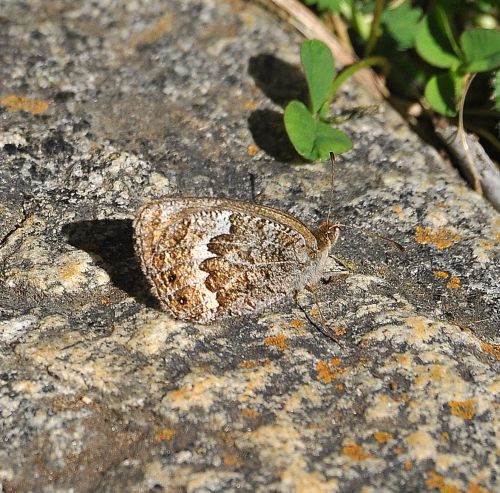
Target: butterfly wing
(211, 258)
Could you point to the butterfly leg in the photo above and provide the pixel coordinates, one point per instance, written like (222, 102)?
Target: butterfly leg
(334, 277)
(322, 326)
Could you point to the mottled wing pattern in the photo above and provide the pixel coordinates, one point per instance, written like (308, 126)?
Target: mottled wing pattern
(213, 259)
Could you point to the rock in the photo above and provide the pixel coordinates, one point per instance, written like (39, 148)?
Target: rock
(119, 103)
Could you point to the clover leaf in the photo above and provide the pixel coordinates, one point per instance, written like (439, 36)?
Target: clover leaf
(312, 137)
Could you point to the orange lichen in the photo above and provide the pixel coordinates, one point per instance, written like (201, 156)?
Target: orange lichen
(155, 32)
(248, 364)
(252, 150)
(340, 387)
(428, 373)
(250, 105)
(328, 371)
(463, 409)
(382, 436)
(398, 210)
(445, 436)
(340, 331)
(164, 435)
(70, 270)
(250, 413)
(178, 394)
(454, 283)
(355, 452)
(486, 245)
(403, 359)
(296, 323)
(493, 349)
(441, 274)
(279, 342)
(475, 488)
(22, 103)
(314, 312)
(438, 482)
(423, 329)
(105, 301)
(408, 464)
(441, 238)
(230, 459)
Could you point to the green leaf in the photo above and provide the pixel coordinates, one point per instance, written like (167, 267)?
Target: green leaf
(331, 5)
(318, 66)
(311, 138)
(300, 127)
(481, 49)
(329, 139)
(442, 92)
(401, 24)
(434, 40)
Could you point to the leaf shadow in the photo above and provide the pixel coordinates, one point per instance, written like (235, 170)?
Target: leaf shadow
(111, 241)
(268, 132)
(281, 82)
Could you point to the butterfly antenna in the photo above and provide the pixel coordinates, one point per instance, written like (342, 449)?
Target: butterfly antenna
(392, 242)
(332, 160)
(252, 187)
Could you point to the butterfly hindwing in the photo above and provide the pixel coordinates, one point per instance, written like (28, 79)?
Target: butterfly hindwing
(211, 258)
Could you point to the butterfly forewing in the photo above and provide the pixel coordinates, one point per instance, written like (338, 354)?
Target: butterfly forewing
(211, 258)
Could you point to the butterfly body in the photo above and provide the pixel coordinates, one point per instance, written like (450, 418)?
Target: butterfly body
(210, 258)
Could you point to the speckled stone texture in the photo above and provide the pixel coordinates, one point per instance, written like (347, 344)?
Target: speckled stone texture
(106, 105)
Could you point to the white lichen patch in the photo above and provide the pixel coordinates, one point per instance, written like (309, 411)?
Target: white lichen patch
(297, 478)
(199, 389)
(418, 331)
(421, 445)
(14, 138)
(43, 270)
(52, 322)
(158, 333)
(382, 406)
(14, 329)
(277, 444)
(74, 361)
(437, 218)
(211, 480)
(159, 185)
(77, 269)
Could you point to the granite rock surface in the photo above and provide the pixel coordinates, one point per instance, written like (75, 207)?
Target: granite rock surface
(106, 105)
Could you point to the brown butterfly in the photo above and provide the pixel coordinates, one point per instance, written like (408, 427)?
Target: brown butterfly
(210, 258)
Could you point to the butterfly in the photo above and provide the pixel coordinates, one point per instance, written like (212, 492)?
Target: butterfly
(212, 258)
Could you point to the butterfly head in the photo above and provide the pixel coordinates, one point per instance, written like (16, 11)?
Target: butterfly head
(327, 234)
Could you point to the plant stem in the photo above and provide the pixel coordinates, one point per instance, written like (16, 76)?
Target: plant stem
(485, 135)
(374, 29)
(341, 32)
(476, 178)
(349, 71)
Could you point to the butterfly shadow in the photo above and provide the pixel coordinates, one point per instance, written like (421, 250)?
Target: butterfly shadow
(110, 242)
